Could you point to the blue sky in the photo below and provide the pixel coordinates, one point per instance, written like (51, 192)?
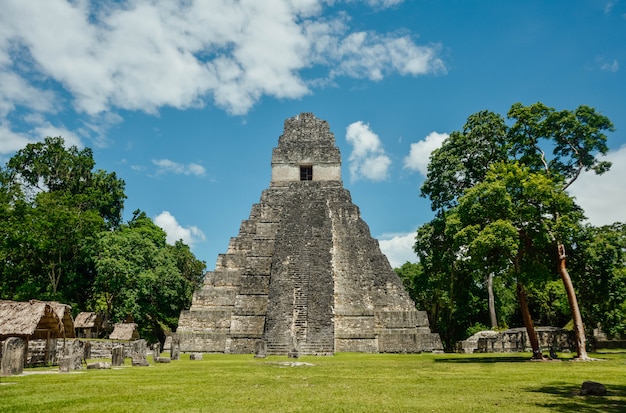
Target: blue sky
(185, 100)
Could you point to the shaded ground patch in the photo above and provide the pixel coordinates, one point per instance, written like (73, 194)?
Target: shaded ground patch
(486, 359)
(613, 401)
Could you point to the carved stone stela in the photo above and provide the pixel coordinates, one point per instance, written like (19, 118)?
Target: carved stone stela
(304, 275)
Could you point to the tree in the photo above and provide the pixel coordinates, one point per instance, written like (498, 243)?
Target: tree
(464, 158)
(191, 268)
(599, 261)
(504, 222)
(138, 275)
(450, 293)
(54, 205)
(576, 138)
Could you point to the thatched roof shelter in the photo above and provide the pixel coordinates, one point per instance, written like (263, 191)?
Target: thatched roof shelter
(30, 320)
(124, 331)
(88, 319)
(64, 312)
(88, 324)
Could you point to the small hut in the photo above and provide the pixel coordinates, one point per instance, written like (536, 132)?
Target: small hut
(32, 320)
(124, 331)
(88, 324)
(64, 312)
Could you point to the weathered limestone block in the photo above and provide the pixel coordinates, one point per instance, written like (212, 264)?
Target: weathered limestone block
(398, 341)
(422, 319)
(396, 319)
(138, 353)
(75, 352)
(265, 230)
(156, 351)
(65, 364)
(231, 261)
(430, 342)
(488, 345)
(216, 296)
(100, 365)
(223, 278)
(175, 348)
(241, 344)
(195, 356)
(247, 326)
(207, 319)
(357, 345)
(13, 356)
(117, 356)
(258, 266)
(202, 341)
(354, 326)
(168, 342)
(239, 246)
(261, 247)
(260, 349)
(255, 284)
(251, 305)
(247, 227)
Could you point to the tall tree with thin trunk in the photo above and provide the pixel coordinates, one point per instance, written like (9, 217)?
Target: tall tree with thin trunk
(577, 137)
(504, 222)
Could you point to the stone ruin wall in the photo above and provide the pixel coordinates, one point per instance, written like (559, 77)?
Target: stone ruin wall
(516, 340)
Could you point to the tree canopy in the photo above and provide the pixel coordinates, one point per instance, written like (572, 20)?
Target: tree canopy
(54, 205)
(62, 238)
(501, 204)
(139, 276)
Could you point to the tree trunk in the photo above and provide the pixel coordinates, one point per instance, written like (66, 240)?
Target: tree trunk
(492, 302)
(579, 329)
(528, 322)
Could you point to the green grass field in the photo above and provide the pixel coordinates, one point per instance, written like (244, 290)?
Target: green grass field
(342, 383)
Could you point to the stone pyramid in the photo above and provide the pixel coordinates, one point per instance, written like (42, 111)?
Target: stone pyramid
(304, 276)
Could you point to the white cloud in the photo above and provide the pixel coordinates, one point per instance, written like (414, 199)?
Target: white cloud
(603, 196)
(175, 231)
(398, 248)
(383, 3)
(11, 141)
(605, 64)
(15, 90)
(610, 66)
(368, 159)
(168, 166)
(419, 154)
(373, 56)
(47, 129)
(143, 55)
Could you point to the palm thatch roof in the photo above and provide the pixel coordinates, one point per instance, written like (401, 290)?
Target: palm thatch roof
(29, 319)
(88, 319)
(124, 331)
(64, 312)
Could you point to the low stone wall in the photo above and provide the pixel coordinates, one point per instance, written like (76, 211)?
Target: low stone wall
(39, 354)
(609, 344)
(516, 340)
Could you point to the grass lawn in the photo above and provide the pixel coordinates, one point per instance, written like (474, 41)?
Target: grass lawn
(342, 383)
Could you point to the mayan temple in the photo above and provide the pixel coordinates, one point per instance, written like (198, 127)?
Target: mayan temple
(304, 275)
